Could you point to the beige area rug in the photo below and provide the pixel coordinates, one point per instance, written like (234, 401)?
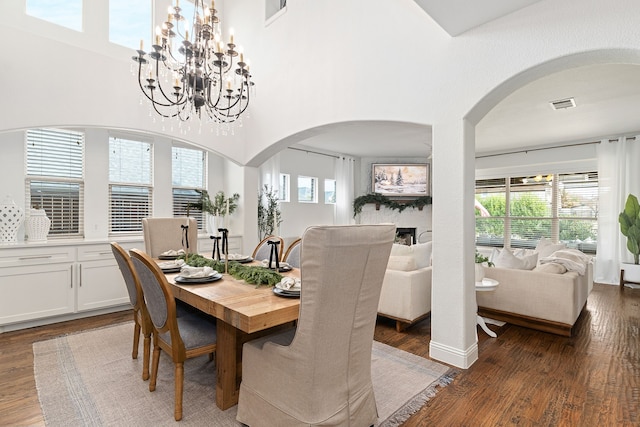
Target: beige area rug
(90, 379)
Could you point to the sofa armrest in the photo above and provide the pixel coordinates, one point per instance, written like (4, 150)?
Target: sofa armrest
(406, 295)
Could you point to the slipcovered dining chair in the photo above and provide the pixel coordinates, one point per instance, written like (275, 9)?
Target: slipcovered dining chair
(180, 337)
(292, 254)
(165, 234)
(263, 249)
(320, 372)
(142, 322)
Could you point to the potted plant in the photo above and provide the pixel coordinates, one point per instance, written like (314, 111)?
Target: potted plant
(217, 208)
(269, 215)
(629, 220)
(481, 261)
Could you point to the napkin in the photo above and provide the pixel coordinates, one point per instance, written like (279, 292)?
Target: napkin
(233, 257)
(289, 284)
(265, 263)
(171, 264)
(171, 252)
(188, 271)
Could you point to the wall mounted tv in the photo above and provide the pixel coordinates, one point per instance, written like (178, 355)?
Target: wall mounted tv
(400, 180)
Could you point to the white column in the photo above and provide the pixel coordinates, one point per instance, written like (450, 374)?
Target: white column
(453, 308)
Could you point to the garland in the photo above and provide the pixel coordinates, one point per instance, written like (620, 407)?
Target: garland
(380, 199)
(252, 274)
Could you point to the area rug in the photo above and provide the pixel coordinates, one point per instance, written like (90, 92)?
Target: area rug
(90, 379)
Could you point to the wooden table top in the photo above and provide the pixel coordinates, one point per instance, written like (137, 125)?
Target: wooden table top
(237, 303)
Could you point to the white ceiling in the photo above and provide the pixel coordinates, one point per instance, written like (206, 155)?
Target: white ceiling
(607, 99)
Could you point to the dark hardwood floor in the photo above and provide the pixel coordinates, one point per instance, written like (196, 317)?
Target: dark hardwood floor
(522, 377)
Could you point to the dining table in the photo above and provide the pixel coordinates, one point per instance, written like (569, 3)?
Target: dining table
(243, 312)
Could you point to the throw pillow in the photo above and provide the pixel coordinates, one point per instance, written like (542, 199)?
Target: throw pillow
(551, 267)
(506, 259)
(545, 247)
(397, 249)
(401, 263)
(422, 254)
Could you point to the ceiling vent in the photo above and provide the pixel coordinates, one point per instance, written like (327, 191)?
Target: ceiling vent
(563, 104)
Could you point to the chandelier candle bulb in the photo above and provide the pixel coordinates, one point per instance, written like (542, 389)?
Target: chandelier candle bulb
(141, 44)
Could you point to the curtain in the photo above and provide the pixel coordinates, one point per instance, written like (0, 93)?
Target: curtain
(618, 176)
(344, 190)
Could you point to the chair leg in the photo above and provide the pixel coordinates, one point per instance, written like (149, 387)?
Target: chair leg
(154, 368)
(147, 351)
(211, 356)
(179, 374)
(136, 340)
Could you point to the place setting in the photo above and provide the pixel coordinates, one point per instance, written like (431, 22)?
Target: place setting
(197, 275)
(173, 266)
(242, 259)
(278, 265)
(171, 254)
(288, 287)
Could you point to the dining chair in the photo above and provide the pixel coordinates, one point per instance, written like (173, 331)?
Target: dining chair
(263, 249)
(182, 337)
(165, 234)
(292, 254)
(142, 322)
(320, 372)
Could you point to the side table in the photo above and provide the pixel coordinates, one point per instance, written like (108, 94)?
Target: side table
(485, 286)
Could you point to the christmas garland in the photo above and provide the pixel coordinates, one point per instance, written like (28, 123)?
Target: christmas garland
(252, 274)
(380, 199)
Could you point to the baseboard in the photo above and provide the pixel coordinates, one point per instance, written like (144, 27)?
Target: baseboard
(453, 356)
(62, 318)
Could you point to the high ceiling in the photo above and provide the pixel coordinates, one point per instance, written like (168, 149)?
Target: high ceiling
(606, 96)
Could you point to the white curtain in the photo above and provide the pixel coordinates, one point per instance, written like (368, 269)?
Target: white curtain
(344, 190)
(618, 176)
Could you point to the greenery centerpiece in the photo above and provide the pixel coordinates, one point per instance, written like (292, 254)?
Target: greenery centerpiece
(219, 207)
(252, 274)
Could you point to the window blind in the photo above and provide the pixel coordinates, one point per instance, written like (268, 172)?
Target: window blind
(54, 179)
(130, 184)
(188, 172)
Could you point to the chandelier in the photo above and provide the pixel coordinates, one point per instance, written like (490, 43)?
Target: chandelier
(189, 72)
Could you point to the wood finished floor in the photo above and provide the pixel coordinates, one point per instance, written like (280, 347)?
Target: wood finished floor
(522, 377)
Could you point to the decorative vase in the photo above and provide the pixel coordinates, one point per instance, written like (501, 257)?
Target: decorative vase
(37, 225)
(11, 216)
(216, 222)
(479, 272)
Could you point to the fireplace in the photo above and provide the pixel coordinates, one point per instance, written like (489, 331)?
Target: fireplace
(406, 235)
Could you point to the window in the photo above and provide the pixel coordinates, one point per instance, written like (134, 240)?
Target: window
(283, 193)
(54, 179)
(188, 175)
(130, 22)
(562, 207)
(274, 8)
(307, 189)
(329, 191)
(130, 184)
(67, 13)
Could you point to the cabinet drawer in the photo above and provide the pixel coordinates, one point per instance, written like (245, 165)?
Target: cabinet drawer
(95, 253)
(31, 256)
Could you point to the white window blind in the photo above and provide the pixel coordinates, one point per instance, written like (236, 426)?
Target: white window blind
(561, 207)
(284, 193)
(130, 184)
(188, 171)
(54, 179)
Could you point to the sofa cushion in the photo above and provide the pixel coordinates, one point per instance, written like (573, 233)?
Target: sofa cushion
(506, 259)
(398, 249)
(420, 252)
(401, 263)
(551, 267)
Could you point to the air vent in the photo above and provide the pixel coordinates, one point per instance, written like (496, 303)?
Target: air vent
(563, 104)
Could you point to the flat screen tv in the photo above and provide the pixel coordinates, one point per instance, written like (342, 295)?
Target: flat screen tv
(400, 180)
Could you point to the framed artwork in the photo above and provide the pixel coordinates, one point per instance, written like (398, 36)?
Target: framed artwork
(405, 180)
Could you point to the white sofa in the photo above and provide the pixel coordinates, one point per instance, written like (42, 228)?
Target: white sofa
(406, 288)
(547, 298)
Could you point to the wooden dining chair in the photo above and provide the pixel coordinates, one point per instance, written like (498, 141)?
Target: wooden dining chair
(320, 372)
(141, 319)
(292, 254)
(182, 337)
(165, 234)
(263, 249)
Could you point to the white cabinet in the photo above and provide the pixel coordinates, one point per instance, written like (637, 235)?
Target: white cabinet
(100, 283)
(36, 283)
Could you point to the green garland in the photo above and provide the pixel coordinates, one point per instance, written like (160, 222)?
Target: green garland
(252, 274)
(380, 199)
